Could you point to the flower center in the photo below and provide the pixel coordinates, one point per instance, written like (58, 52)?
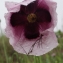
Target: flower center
(31, 18)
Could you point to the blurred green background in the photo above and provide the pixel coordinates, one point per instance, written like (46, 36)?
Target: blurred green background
(8, 55)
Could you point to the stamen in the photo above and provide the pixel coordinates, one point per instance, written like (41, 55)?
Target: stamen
(31, 18)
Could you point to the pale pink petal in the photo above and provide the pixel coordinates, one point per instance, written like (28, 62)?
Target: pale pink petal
(12, 6)
(12, 32)
(49, 41)
(51, 6)
(26, 2)
(15, 7)
(52, 9)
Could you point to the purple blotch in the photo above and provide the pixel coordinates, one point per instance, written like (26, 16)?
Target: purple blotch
(43, 15)
(31, 31)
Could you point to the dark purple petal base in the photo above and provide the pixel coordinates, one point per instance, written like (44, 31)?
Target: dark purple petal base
(31, 30)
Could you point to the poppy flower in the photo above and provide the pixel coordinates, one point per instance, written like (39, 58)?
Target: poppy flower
(30, 26)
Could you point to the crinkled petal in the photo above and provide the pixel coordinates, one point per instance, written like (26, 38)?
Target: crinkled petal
(52, 10)
(15, 7)
(26, 2)
(51, 7)
(12, 31)
(12, 6)
(49, 41)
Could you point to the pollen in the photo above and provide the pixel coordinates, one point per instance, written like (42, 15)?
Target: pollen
(31, 18)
